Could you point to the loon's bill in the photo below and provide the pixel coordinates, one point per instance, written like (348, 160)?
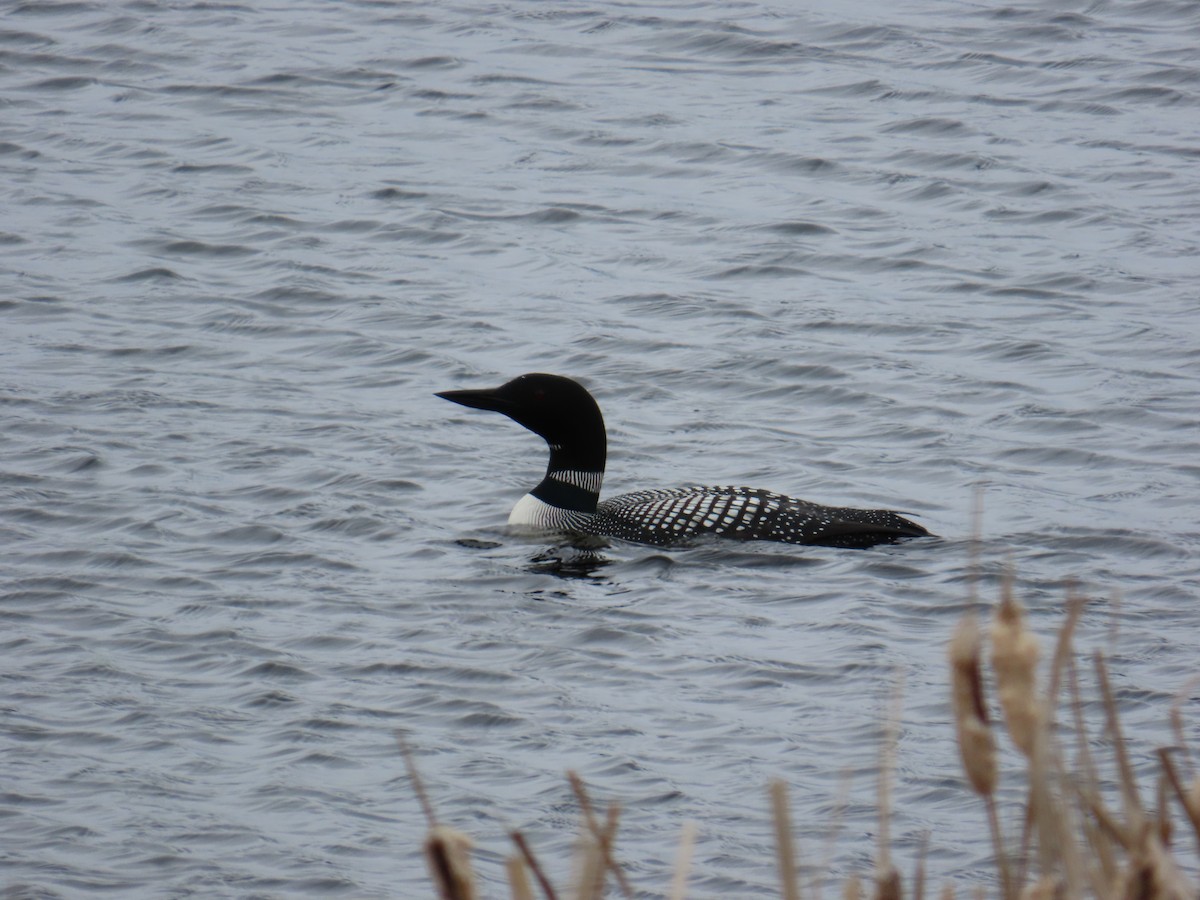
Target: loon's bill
(568, 498)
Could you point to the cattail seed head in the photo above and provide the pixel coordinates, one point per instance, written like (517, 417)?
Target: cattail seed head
(1015, 655)
(888, 885)
(976, 744)
(448, 854)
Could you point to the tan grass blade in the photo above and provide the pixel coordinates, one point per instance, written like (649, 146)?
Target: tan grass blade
(518, 878)
(683, 861)
(534, 866)
(785, 850)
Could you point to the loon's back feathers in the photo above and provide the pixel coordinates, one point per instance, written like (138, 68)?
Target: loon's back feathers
(677, 515)
(568, 498)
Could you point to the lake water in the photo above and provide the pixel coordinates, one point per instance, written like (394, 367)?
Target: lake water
(866, 254)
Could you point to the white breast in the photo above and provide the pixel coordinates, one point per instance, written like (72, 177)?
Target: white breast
(532, 513)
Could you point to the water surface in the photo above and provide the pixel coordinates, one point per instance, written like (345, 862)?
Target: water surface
(863, 255)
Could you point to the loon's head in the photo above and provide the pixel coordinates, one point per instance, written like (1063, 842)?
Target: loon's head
(557, 408)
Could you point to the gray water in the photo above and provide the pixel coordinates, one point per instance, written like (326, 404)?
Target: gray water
(863, 253)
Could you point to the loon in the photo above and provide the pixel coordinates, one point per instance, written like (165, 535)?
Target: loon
(568, 499)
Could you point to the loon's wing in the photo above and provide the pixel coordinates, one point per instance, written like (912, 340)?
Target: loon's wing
(677, 515)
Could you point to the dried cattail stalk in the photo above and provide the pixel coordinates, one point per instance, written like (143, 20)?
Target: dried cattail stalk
(1062, 660)
(888, 885)
(415, 777)
(683, 861)
(852, 889)
(1192, 802)
(1176, 717)
(1131, 800)
(448, 854)
(974, 548)
(1163, 818)
(1047, 887)
(919, 870)
(589, 867)
(947, 891)
(976, 744)
(1188, 798)
(1169, 881)
(534, 865)
(1152, 874)
(887, 763)
(1015, 655)
(1137, 881)
(518, 878)
(606, 835)
(785, 851)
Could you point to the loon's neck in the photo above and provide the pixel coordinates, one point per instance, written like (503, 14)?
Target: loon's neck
(574, 476)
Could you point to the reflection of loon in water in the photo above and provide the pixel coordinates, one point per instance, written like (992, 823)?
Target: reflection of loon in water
(564, 561)
(568, 498)
(568, 562)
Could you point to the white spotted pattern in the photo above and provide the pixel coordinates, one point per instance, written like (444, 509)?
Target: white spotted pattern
(678, 515)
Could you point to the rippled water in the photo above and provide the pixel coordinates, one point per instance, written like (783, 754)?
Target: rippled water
(861, 253)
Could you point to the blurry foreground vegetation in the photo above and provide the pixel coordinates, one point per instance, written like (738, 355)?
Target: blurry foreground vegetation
(1076, 835)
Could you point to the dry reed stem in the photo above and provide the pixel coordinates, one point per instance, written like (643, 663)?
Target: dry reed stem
(1191, 799)
(1062, 654)
(1153, 875)
(1049, 816)
(447, 851)
(1015, 656)
(1086, 780)
(919, 868)
(448, 854)
(888, 885)
(976, 743)
(852, 888)
(415, 777)
(531, 861)
(1108, 822)
(1187, 798)
(975, 547)
(604, 837)
(1045, 888)
(683, 861)
(1132, 803)
(589, 868)
(947, 891)
(518, 878)
(1114, 621)
(831, 836)
(1176, 715)
(1002, 860)
(785, 850)
(1162, 812)
(1059, 856)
